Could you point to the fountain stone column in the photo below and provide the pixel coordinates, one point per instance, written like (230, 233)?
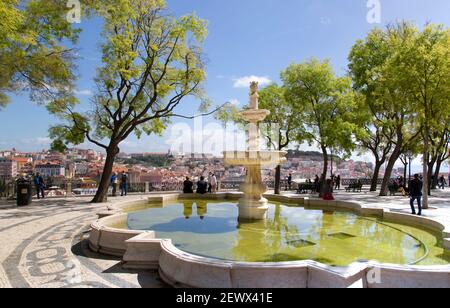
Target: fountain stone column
(253, 206)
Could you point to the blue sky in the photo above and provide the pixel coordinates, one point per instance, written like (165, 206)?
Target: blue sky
(246, 38)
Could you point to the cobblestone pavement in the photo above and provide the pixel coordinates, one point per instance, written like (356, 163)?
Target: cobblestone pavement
(44, 245)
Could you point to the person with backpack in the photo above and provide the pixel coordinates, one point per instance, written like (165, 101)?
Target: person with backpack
(114, 182)
(188, 186)
(415, 193)
(202, 186)
(123, 184)
(442, 182)
(40, 185)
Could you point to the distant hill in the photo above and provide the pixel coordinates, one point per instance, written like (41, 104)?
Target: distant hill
(310, 155)
(158, 161)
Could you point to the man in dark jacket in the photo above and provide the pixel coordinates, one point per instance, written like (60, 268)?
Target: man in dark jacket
(415, 193)
(202, 186)
(188, 186)
(124, 184)
(40, 186)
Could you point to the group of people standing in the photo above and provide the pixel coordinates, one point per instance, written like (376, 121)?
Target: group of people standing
(204, 185)
(120, 181)
(336, 181)
(333, 183)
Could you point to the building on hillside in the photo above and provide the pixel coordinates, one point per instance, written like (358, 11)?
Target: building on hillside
(51, 169)
(22, 162)
(8, 168)
(6, 154)
(81, 169)
(155, 178)
(56, 156)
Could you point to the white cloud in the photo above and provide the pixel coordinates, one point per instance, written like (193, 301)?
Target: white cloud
(211, 138)
(35, 142)
(234, 102)
(325, 21)
(83, 92)
(244, 82)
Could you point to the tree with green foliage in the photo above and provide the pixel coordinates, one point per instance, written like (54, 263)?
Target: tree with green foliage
(281, 122)
(326, 105)
(151, 63)
(373, 67)
(33, 57)
(423, 70)
(377, 139)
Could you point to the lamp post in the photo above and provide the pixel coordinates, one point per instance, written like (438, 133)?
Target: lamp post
(410, 156)
(331, 162)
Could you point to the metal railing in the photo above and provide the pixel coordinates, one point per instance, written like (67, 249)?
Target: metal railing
(74, 188)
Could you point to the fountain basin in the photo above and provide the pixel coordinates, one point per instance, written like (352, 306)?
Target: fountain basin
(146, 251)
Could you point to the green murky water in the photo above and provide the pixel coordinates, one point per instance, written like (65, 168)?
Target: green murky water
(291, 233)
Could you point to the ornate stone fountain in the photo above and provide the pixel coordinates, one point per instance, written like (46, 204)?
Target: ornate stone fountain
(253, 206)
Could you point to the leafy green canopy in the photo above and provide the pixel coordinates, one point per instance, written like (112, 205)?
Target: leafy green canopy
(282, 115)
(325, 104)
(32, 55)
(151, 62)
(402, 74)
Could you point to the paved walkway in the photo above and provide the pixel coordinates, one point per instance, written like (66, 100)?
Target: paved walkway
(44, 245)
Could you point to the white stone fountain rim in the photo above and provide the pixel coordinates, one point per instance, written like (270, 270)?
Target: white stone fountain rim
(114, 241)
(362, 210)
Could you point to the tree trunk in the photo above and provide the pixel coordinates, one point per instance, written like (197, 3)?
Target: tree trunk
(437, 171)
(435, 182)
(387, 176)
(376, 175)
(430, 175)
(405, 173)
(102, 192)
(425, 176)
(278, 180)
(426, 155)
(323, 178)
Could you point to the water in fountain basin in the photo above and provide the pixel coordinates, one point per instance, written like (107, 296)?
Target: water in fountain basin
(291, 233)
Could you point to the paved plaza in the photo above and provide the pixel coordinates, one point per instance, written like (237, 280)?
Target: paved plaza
(44, 245)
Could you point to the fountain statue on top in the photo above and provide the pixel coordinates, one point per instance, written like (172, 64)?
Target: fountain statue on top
(253, 206)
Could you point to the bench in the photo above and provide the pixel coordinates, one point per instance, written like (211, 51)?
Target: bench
(306, 188)
(394, 190)
(356, 187)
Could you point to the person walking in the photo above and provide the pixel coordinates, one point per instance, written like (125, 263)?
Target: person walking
(114, 182)
(338, 183)
(209, 183)
(213, 183)
(188, 186)
(415, 193)
(289, 181)
(40, 185)
(317, 183)
(442, 182)
(124, 184)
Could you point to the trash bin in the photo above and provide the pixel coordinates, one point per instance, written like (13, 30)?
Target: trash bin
(24, 192)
